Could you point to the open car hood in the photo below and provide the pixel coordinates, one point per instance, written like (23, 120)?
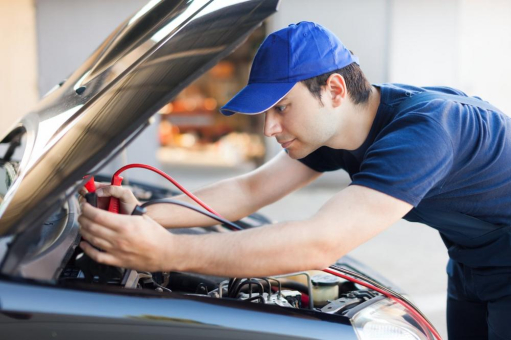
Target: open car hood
(86, 120)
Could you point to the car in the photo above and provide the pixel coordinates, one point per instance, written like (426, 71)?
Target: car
(50, 289)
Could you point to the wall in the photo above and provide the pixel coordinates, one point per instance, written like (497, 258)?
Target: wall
(485, 49)
(18, 74)
(459, 43)
(423, 42)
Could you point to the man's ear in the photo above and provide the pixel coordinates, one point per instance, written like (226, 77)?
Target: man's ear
(336, 90)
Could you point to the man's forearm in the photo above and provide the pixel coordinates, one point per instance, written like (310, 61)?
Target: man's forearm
(228, 198)
(350, 218)
(270, 250)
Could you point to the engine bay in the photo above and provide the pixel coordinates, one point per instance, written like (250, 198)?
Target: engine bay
(313, 290)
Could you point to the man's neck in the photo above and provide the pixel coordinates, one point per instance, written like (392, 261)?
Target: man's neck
(360, 121)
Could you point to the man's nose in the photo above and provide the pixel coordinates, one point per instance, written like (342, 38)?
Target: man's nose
(272, 125)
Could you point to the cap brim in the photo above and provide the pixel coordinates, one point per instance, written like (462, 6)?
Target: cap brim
(256, 98)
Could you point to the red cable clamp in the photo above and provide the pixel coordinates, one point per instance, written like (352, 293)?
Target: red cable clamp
(113, 205)
(90, 185)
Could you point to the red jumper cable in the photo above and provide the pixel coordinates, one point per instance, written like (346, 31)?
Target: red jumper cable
(117, 180)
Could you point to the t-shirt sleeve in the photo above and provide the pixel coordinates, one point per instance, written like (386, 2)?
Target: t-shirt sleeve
(409, 157)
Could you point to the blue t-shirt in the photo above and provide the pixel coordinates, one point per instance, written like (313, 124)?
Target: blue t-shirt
(439, 155)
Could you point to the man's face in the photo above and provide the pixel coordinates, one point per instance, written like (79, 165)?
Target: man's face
(300, 123)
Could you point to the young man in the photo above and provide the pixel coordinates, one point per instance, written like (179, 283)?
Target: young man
(426, 154)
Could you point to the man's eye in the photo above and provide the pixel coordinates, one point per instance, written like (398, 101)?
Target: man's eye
(280, 108)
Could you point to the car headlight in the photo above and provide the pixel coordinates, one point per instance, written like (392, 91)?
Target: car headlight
(387, 319)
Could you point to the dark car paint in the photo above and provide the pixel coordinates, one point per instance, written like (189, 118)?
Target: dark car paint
(30, 311)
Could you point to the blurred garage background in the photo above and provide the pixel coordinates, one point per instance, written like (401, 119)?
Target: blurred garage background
(460, 43)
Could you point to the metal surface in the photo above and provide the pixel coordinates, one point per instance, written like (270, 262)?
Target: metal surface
(309, 285)
(147, 61)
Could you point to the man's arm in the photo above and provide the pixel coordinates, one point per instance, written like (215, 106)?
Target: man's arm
(240, 196)
(350, 218)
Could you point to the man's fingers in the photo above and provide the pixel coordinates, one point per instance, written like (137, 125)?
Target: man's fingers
(107, 219)
(90, 230)
(101, 184)
(96, 241)
(121, 193)
(99, 256)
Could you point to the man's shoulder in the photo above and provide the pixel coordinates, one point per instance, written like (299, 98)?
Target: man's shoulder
(394, 94)
(440, 111)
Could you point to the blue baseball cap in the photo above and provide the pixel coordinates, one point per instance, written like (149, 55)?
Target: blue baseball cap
(295, 53)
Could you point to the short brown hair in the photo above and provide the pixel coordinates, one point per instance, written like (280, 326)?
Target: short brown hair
(358, 86)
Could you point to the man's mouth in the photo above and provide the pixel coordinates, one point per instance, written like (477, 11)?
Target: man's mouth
(286, 144)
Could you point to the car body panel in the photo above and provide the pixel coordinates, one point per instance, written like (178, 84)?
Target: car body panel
(45, 312)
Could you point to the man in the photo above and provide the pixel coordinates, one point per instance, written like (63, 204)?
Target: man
(439, 158)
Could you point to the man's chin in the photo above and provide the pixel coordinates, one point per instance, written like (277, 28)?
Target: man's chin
(301, 151)
(297, 154)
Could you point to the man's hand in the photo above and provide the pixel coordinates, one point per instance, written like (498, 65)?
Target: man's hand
(127, 200)
(135, 242)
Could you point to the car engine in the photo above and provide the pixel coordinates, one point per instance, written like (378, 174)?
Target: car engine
(305, 290)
